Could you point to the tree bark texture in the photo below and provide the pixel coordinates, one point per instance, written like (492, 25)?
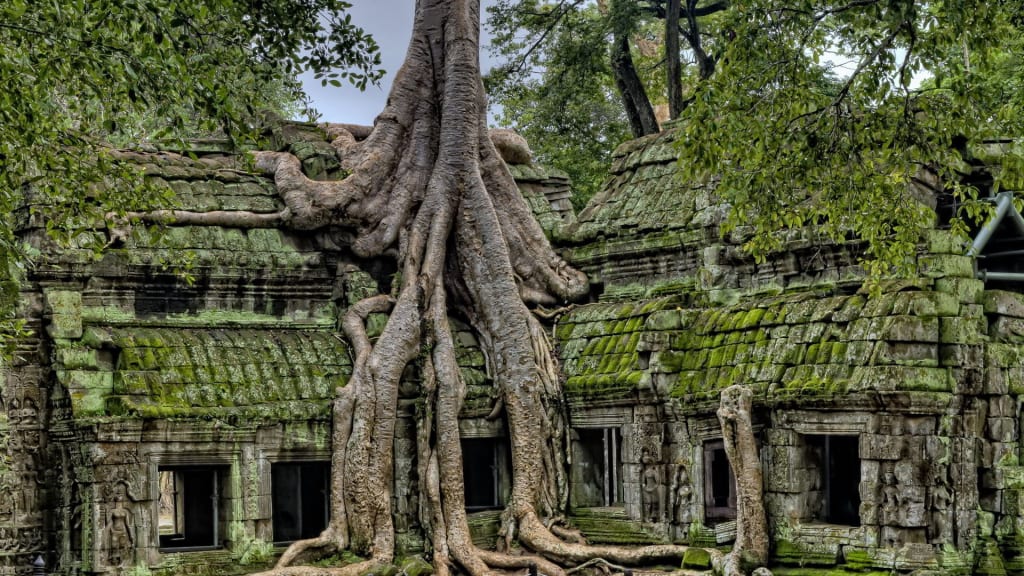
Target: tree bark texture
(635, 101)
(427, 184)
(751, 547)
(673, 69)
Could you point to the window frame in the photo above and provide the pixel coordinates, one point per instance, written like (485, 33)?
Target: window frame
(612, 466)
(181, 502)
(322, 467)
(712, 513)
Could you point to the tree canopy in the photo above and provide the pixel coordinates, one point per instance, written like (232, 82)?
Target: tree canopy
(77, 74)
(813, 114)
(560, 95)
(847, 159)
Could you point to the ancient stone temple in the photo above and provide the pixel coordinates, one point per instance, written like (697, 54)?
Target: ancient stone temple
(161, 423)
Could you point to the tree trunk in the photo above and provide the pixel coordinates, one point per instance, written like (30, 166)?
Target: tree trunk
(426, 184)
(705, 62)
(673, 70)
(631, 89)
(751, 547)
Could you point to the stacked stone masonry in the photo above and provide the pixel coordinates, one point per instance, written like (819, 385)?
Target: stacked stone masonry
(889, 424)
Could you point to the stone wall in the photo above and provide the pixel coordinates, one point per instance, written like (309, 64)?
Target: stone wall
(889, 424)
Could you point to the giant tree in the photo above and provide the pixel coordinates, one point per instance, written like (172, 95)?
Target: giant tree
(427, 187)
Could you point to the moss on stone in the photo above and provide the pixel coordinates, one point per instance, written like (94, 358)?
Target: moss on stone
(696, 558)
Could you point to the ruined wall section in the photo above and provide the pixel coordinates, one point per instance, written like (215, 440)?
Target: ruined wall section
(918, 386)
(27, 481)
(648, 233)
(180, 348)
(188, 348)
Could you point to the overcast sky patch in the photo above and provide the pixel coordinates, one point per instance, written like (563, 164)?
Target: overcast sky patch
(390, 23)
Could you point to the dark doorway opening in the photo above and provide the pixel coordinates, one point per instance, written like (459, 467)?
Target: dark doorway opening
(299, 497)
(483, 463)
(190, 507)
(840, 477)
(719, 483)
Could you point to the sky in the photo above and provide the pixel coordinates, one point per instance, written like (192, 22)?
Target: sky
(390, 23)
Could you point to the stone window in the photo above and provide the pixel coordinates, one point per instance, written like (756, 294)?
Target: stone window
(719, 483)
(484, 472)
(597, 474)
(837, 461)
(190, 507)
(299, 499)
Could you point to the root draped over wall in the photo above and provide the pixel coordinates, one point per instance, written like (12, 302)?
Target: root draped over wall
(427, 184)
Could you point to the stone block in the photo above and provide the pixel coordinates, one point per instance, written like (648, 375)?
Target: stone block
(908, 473)
(1003, 303)
(936, 449)
(928, 304)
(870, 470)
(966, 290)
(912, 329)
(1006, 329)
(995, 381)
(959, 330)
(961, 355)
(1001, 429)
(945, 265)
(972, 311)
(869, 491)
(916, 556)
(967, 381)
(65, 326)
(880, 447)
(919, 426)
(63, 302)
(943, 242)
(868, 513)
(663, 320)
(780, 476)
(907, 354)
(77, 357)
(90, 380)
(1002, 406)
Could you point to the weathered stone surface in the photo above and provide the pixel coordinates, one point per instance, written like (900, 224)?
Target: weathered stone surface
(135, 372)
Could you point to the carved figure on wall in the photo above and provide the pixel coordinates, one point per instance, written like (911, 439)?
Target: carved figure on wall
(942, 500)
(7, 539)
(120, 537)
(29, 412)
(683, 496)
(29, 486)
(650, 483)
(890, 500)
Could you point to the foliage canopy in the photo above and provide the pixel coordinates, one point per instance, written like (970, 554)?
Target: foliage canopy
(79, 73)
(828, 115)
(845, 159)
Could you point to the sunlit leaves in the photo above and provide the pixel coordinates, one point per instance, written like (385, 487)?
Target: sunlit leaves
(821, 116)
(77, 74)
(556, 88)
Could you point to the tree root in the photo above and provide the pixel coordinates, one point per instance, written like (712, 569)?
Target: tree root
(468, 246)
(357, 569)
